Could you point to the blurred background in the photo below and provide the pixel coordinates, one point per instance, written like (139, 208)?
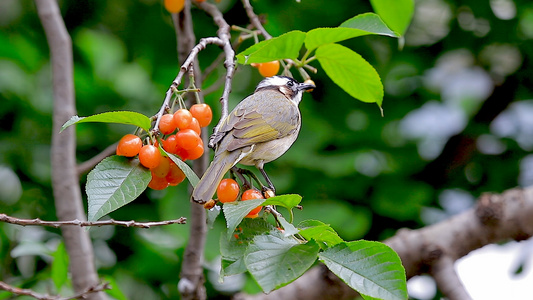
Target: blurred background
(458, 121)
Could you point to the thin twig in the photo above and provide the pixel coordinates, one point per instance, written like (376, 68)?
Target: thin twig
(26, 292)
(213, 66)
(254, 19)
(225, 37)
(275, 214)
(202, 44)
(256, 22)
(214, 86)
(237, 41)
(28, 222)
(89, 164)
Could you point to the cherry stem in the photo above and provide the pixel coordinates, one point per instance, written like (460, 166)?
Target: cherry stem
(311, 68)
(286, 67)
(181, 102)
(304, 74)
(192, 86)
(242, 29)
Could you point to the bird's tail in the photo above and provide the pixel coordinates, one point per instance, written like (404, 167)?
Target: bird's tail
(206, 187)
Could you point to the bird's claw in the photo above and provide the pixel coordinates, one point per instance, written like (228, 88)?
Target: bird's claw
(268, 192)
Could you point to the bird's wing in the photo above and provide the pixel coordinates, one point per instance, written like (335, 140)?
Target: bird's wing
(259, 118)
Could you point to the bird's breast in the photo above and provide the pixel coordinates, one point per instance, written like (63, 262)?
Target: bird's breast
(271, 150)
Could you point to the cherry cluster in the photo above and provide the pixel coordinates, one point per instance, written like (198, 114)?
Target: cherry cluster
(186, 142)
(228, 190)
(182, 130)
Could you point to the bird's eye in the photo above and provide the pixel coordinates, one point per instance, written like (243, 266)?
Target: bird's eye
(290, 83)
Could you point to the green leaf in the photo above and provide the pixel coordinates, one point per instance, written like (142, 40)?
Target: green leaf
(359, 25)
(369, 22)
(234, 212)
(351, 72)
(59, 270)
(320, 232)
(288, 228)
(113, 183)
(322, 36)
(232, 250)
(189, 173)
(287, 45)
(288, 201)
(371, 268)
(120, 117)
(397, 14)
(275, 261)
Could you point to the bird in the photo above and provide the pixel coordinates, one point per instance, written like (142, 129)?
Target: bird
(261, 128)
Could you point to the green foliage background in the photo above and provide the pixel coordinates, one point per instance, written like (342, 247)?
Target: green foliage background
(364, 174)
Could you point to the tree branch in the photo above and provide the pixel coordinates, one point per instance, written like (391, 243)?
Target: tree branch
(202, 44)
(225, 36)
(237, 41)
(254, 19)
(28, 222)
(26, 292)
(89, 164)
(447, 279)
(191, 284)
(495, 218)
(65, 181)
(256, 22)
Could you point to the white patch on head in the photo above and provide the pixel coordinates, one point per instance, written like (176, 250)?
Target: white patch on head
(285, 85)
(273, 81)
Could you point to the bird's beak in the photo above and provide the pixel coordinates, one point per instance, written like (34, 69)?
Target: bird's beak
(306, 86)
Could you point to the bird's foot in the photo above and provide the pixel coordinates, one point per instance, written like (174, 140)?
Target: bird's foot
(268, 192)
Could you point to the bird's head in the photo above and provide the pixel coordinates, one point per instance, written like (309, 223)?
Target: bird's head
(289, 87)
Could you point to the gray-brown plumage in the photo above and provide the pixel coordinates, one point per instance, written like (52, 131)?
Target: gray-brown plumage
(261, 128)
